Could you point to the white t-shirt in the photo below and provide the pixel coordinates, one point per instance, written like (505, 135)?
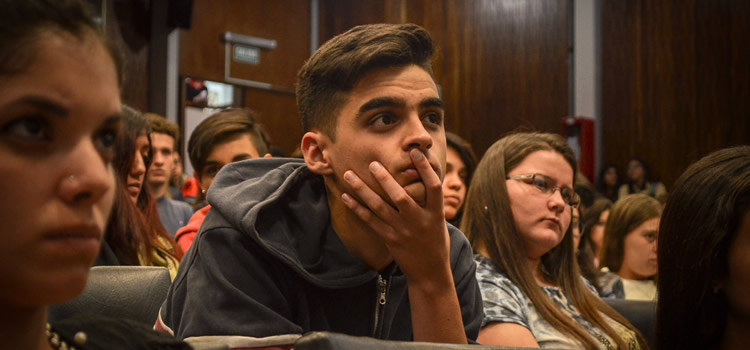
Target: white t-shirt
(639, 290)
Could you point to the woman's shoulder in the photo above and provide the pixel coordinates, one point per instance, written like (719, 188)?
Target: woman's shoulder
(492, 281)
(611, 285)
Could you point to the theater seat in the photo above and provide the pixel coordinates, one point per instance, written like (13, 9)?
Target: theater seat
(335, 341)
(134, 292)
(641, 314)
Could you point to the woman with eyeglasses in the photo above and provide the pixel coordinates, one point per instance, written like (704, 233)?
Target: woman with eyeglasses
(517, 218)
(629, 248)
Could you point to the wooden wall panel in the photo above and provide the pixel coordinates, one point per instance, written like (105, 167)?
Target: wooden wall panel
(128, 24)
(674, 81)
(501, 63)
(279, 116)
(287, 22)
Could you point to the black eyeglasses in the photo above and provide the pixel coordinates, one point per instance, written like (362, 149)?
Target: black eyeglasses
(545, 185)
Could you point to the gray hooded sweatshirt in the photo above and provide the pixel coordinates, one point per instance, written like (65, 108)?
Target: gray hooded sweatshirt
(266, 264)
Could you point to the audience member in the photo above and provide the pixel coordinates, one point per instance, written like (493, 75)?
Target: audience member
(704, 270)
(575, 225)
(351, 240)
(135, 235)
(229, 131)
(585, 191)
(594, 221)
(459, 166)
(173, 214)
(517, 218)
(59, 120)
(225, 137)
(583, 250)
(608, 182)
(178, 179)
(629, 248)
(640, 182)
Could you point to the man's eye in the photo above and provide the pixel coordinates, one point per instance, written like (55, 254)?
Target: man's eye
(212, 170)
(434, 118)
(384, 119)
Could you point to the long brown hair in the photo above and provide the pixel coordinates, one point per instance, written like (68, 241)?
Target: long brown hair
(133, 231)
(625, 216)
(586, 251)
(488, 223)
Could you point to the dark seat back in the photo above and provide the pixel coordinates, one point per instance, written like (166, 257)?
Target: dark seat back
(336, 341)
(642, 314)
(134, 292)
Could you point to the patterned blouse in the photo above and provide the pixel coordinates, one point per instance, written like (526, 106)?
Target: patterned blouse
(505, 302)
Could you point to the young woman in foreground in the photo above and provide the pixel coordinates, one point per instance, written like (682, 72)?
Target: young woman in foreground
(59, 121)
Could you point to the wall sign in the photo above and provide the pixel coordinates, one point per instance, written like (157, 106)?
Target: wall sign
(246, 54)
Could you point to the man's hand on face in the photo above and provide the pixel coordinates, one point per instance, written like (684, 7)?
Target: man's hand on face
(416, 236)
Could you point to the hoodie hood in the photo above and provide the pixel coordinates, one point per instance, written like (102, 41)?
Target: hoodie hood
(282, 206)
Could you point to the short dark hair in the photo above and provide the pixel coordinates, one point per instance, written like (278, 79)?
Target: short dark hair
(23, 23)
(342, 61)
(700, 222)
(220, 127)
(162, 125)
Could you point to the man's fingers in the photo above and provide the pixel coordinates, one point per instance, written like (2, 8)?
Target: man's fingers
(366, 215)
(369, 198)
(392, 189)
(430, 179)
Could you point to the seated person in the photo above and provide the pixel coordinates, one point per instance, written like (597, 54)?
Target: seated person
(589, 245)
(225, 137)
(135, 235)
(704, 271)
(629, 249)
(173, 214)
(460, 164)
(608, 182)
(638, 181)
(517, 218)
(59, 120)
(178, 179)
(353, 238)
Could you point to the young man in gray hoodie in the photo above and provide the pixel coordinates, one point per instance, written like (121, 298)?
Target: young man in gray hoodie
(351, 240)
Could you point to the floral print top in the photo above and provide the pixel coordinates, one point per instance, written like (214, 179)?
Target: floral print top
(504, 302)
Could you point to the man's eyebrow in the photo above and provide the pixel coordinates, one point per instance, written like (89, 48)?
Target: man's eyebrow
(44, 104)
(432, 102)
(241, 156)
(380, 102)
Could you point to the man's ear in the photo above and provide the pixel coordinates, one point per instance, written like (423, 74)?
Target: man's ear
(315, 150)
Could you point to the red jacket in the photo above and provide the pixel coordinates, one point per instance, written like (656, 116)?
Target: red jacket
(186, 234)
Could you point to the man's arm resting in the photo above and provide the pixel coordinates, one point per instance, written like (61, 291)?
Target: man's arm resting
(435, 311)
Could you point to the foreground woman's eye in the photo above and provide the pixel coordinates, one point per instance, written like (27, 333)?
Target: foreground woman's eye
(28, 129)
(106, 139)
